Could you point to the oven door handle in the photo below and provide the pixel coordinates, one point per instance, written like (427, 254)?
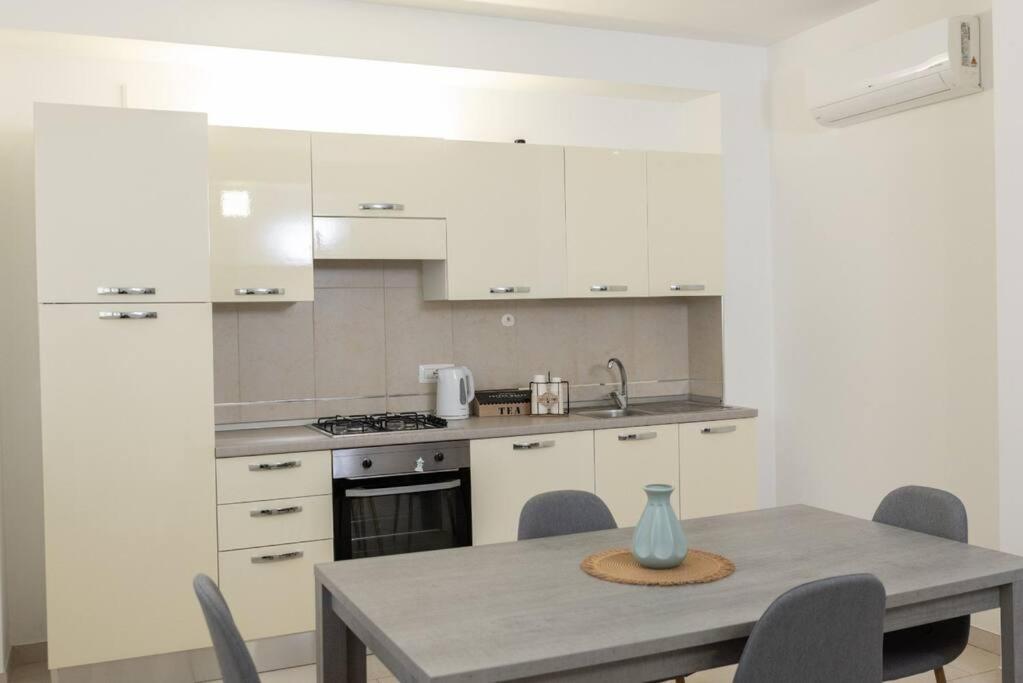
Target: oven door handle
(397, 490)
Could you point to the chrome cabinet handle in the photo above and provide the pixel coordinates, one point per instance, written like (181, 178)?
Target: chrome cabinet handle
(259, 291)
(609, 288)
(531, 445)
(273, 512)
(381, 206)
(641, 436)
(268, 466)
(126, 290)
(675, 287)
(263, 559)
(728, 429)
(127, 315)
(517, 289)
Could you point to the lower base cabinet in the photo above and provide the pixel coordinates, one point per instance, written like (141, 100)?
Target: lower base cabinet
(718, 465)
(509, 471)
(629, 459)
(270, 590)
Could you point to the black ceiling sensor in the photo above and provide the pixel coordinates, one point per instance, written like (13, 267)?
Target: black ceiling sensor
(520, 141)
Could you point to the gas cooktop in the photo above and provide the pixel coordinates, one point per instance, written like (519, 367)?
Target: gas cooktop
(345, 425)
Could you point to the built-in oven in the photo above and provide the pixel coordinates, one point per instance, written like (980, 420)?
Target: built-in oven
(401, 499)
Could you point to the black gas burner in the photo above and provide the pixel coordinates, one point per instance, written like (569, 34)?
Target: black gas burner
(345, 425)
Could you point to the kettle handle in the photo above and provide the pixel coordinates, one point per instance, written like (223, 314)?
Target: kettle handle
(472, 387)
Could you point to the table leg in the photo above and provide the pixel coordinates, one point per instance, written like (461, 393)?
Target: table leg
(1012, 632)
(340, 655)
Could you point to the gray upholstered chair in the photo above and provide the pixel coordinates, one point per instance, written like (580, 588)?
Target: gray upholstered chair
(557, 513)
(236, 665)
(929, 647)
(826, 631)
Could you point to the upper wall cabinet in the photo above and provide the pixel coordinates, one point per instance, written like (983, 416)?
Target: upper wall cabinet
(605, 195)
(685, 224)
(260, 215)
(506, 223)
(373, 175)
(121, 205)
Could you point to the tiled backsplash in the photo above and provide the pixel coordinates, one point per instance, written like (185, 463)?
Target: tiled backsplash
(358, 347)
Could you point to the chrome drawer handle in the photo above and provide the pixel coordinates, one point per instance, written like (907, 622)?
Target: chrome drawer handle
(259, 291)
(531, 445)
(268, 466)
(273, 512)
(127, 315)
(126, 290)
(686, 288)
(381, 206)
(641, 436)
(509, 290)
(718, 430)
(263, 559)
(609, 288)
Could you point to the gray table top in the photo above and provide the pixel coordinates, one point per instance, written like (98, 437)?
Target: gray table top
(521, 609)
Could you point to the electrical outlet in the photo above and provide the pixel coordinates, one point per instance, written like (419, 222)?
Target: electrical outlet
(428, 373)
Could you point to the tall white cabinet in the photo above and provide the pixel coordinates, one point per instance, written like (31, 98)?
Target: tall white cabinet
(126, 380)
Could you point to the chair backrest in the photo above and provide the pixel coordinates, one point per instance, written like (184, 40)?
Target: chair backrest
(557, 513)
(236, 665)
(927, 510)
(826, 631)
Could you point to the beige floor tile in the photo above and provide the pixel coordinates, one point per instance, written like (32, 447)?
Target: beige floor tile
(30, 673)
(986, 677)
(975, 661)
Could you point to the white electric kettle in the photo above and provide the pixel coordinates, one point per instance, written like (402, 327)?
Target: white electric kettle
(455, 391)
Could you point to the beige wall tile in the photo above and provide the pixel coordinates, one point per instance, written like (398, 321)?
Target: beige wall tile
(417, 332)
(710, 389)
(349, 342)
(549, 334)
(403, 274)
(608, 330)
(225, 353)
(275, 351)
(405, 404)
(705, 361)
(348, 274)
(350, 406)
(277, 410)
(485, 345)
(226, 414)
(661, 340)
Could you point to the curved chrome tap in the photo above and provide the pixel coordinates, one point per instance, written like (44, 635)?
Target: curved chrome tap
(621, 398)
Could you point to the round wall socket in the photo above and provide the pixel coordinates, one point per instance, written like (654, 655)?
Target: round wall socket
(508, 320)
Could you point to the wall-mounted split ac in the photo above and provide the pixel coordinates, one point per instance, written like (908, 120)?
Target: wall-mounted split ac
(933, 63)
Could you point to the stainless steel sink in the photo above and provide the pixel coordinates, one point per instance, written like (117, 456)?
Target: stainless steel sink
(669, 407)
(606, 413)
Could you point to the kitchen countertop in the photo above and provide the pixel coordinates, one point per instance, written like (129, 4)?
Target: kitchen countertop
(294, 439)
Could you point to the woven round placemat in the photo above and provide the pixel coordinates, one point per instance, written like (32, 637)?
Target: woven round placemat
(618, 565)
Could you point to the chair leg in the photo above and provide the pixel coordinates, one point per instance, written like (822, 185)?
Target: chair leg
(939, 674)
(682, 679)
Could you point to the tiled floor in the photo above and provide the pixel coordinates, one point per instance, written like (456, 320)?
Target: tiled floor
(975, 666)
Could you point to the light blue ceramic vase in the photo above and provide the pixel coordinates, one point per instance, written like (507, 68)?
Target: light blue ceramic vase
(659, 542)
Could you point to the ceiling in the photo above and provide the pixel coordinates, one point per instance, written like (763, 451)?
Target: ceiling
(756, 22)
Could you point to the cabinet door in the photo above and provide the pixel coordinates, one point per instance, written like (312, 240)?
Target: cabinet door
(506, 221)
(376, 175)
(121, 205)
(605, 206)
(127, 440)
(685, 223)
(260, 215)
(718, 467)
(508, 472)
(629, 459)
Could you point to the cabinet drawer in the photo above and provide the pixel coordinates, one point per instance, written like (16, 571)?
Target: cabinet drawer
(270, 590)
(718, 467)
(271, 522)
(268, 477)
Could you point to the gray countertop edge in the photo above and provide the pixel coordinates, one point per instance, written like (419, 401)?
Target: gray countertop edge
(296, 439)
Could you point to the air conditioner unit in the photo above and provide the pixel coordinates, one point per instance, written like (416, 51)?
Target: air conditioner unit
(931, 64)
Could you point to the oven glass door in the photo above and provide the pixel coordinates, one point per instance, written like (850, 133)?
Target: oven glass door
(400, 514)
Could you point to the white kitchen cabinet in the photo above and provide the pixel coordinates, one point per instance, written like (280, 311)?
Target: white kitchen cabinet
(338, 237)
(265, 477)
(121, 205)
(128, 477)
(506, 223)
(272, 522)
(718, 465)
(377, 175)
(629, 459)
(507, 472)
(260, 213)
(606, 213)
(685, 224)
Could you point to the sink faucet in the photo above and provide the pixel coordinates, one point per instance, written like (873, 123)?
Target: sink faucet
(621, 398)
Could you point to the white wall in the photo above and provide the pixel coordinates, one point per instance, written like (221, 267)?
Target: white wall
(365, 31)
(885, 287)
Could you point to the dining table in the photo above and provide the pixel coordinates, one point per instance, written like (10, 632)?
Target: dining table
(526, 611)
